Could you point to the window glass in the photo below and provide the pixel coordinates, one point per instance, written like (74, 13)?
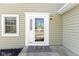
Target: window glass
(10, 24)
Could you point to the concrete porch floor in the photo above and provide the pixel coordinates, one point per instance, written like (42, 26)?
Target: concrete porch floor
(55, 51)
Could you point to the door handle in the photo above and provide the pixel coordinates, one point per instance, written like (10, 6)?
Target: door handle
(30, 24)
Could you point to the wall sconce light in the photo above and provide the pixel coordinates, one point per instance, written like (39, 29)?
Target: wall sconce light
(50, 18)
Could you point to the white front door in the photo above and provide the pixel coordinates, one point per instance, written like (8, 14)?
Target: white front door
(36, 29)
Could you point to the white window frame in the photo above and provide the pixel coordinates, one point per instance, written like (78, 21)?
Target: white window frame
(3, 24)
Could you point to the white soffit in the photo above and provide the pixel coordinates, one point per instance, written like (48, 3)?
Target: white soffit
(66, 8)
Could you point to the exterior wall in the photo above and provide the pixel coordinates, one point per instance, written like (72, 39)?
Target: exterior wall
(19, 41)
(55, 30)
(71, 30)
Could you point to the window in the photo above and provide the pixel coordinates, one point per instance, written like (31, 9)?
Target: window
(10, 25)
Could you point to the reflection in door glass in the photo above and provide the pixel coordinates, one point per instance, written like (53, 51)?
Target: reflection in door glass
(39, 29)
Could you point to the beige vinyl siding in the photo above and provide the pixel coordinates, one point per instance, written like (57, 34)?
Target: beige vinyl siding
(55, 30)
(19, 41)
(71, 30)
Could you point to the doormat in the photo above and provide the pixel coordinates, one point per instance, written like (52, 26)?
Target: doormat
(10, 52)
(38, 49)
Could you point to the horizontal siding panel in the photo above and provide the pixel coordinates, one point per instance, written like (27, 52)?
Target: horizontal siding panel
(71, 30)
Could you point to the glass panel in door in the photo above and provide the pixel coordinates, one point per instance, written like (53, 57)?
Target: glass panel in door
(39, 29)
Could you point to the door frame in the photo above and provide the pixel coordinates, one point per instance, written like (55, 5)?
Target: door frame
(27, 29)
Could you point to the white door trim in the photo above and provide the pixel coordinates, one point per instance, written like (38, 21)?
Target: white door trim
(27, 29)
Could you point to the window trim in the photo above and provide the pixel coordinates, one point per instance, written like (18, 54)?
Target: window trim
(3, 24)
